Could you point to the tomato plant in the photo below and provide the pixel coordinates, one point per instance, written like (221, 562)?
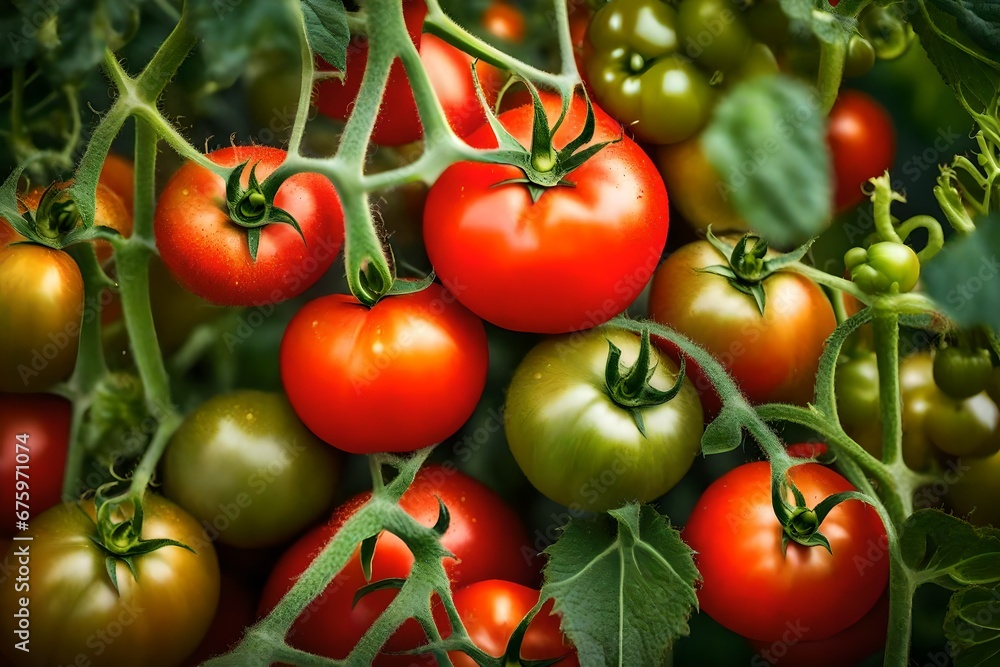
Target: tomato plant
(211, 256)
(540, 330)
(575, 257)
(773, 353)
(76, 609)
(862, 144)
(246, 467)
(565, 404)
(485, 537)
(746, 564)
(423, 354)
(492, 609)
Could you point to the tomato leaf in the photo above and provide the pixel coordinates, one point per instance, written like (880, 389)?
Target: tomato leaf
(972, 626)
(624, 585)
(980, 19)
(962, 278)
(950, 552)
(767, 141)
(827, 26)
(972, 71)
(229, 31)
(326, 28)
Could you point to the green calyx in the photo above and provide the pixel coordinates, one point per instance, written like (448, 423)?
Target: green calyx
(543, 165)
(121, 540)
(250, 209)
(800, 523)
(629, 386)
(747, 265)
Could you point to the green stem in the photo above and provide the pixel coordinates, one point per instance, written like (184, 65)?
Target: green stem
(832, 56)
(828, 280)
(163, 65)
(143, 475)
(169, 133)
(886, 329)
(132, 260)
(440, 24)
(901, 590)
(566, 54)
(76, 455)
(145, 180)
(90, 365)
(305, 83)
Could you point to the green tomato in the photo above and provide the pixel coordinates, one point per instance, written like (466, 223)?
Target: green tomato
(860, 57)
(856, 381)
(580, 447)
(974, 491)
(248, 469)
(966, 427)
(963, 372)
(638, 76)
(713, 33)
(885, 267)
(889, 34)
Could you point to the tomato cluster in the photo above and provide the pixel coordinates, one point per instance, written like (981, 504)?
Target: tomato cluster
(549, 228)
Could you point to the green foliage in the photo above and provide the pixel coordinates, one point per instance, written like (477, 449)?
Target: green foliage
(964, 278)
(979, 18)
(767, 141)
(326, 28)
(624, 584)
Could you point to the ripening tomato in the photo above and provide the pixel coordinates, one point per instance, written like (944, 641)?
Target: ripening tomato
(41, 304)
(491, 610)
(504, 20)
(118, 174)
(571, 260)
(772, 356)
(245, 465)
(862, 142)
(109, 211)
(155, 618)
(401, 375)
(485, 536)
(209, 254)
(34, 436)
(756, 588)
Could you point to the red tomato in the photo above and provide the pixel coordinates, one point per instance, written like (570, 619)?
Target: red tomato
(485, 535)
(753, 589)
(504, 20)
(208, 254)
(491, 610)
(402, 375)
(862, 142)
(773, 357)
(807, 450)
(572, 260)
(118, 174)
(32, 467)
(848, 647)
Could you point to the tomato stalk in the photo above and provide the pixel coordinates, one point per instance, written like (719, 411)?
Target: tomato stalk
(832, 57)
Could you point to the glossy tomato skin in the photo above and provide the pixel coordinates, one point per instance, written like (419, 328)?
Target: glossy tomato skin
(208, 254)
(754, 590)
(243, 464)
(577, 445)
(773, 357)
(491, 610)
(45, 419)
(862, 142)
(572, 260)
(402, 375)
(154, 620)
(485, 535)
(847, 647)
(41, 305)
